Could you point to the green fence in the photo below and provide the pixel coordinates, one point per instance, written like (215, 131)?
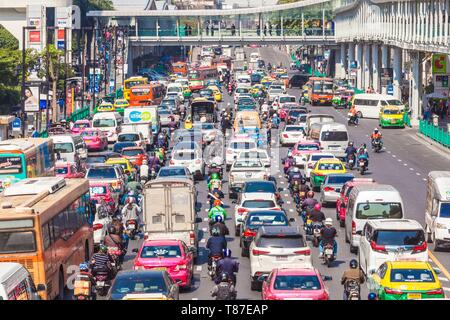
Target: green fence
(79, 114)
(438, 134)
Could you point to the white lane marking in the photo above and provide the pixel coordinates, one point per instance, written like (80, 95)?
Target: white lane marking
(205, 219)
(388, 152)
(204, 229)
(446, 289)
(394, 156)
(203, 240)
(418, 173)
(399, 160)
(405, 164)
(288, 202)
(280, 176)
(424, 179)
(412, 169)
(282, 182)
(291, 210)
(199, 268)
(443, 279)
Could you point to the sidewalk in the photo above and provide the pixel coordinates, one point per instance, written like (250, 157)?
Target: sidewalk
(415, 134)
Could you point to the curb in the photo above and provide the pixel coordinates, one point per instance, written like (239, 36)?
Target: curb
(431, 142)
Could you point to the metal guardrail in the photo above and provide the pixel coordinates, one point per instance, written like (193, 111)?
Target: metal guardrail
(77, 115)
(435, 133)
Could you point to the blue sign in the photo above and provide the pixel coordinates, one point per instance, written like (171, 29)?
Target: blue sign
(60, 45)
(354, 65)
(17, 123)
(390, 90)
(42, 104)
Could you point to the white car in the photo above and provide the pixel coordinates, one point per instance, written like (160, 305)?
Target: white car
(101, 224)
(273, 92)
(277, 247)
(187, 146)
(311, 160)
(254, 57)
(191, 159)
(182, 81)
(236, 146)
(260, 154)
(253, 201)
(175, 89)
(240, 91)
(391, 240)
(292, 134)
(282, 99)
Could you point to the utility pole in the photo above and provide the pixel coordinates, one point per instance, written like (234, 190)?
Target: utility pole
(115, 58)
(94, 31)
(24, 70)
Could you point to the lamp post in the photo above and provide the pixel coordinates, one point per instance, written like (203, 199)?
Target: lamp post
(22, 115)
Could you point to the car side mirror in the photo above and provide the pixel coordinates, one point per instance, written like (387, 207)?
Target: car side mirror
(198, 220)
(327, 278)
(41, 287)
(437, 270)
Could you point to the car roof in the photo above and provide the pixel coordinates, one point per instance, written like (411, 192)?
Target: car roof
(409, 265)
(285, 230)
(161, 242)
(258, 196)
(395, 224)
(297, 271)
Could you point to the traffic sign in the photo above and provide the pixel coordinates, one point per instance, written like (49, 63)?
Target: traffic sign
(390, 90)
(16, 124)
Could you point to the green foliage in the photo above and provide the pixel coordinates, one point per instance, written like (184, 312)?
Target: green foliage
(7, 40)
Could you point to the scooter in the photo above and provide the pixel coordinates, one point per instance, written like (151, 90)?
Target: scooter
(352, 119)
(316, 234)
(377, 145)
(328, 254)
(102, 283)
(132, 228)
(362, 164)
(353, 290)
(115, 253)
(350, 161)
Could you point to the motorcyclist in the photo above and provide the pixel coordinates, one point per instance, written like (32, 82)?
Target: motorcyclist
(86, 275)
(153, 161)
(172, 124)
(288, 162)
(328, 233)
(215, 168)
(294, 174)
(216, 210)
(276, 120)
(353, 115)
(112, 239)
(350, 150)
(160, 153)
(131, 211)
(215, 194)
(303, 189)
(129, 194)
(101, 262)
(375, 135)
(224, 290)
(215, 182)
(162, 138)
(220, 225)
(215, 245)
(316, 215)
(362, 154)
(265, 108)
(269, 66)
(228, 265)
(308, 204)
(352, 274)
(143, 170)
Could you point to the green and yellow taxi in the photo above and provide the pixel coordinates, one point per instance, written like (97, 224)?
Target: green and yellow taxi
(323, 167)
(406, 280)
(216, 93)
(187, 93)
(391, 116)
(120, 105)
(105, 107)
(266, 82)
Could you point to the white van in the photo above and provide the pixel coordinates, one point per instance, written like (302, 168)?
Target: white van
(244, 80)
(368, 105)
(437, 210)
(16, 283)
(254, 57)
(317, 118)
(333, 137)
(65, 148)
(370, 201)
(108, 122)
(175, 88)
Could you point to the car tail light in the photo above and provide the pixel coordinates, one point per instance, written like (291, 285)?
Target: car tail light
(192, 237)
(420, 248)
(97, 226)
(242, 210)
(436, 291)
(285, 135)
(377, 248)
(172, 162)
(181, 267)
(249, 233)
(353, 227)
(393, 291)
(257, 252)
(328, 189)
(306, 252)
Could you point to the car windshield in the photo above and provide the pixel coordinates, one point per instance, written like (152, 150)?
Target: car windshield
(162, 251)
(242, 90)
(171, 172)
(101, 173)
(243, 145)
(341, 180)
(379, 210)
(65, 147)
(330, 166)
(399, 237)
(394, 102)
(247, 164)
(259, 187)
(302, 147)
(444, 212)
(334, 136)
(256, 220)
(98, 190)
(275, 90)
(283, 241)
(132, 284)
(132, 152)
(103, 123)
(128, 137)
(297, 282)
(61, 170)
(174, 89)
(412, 275)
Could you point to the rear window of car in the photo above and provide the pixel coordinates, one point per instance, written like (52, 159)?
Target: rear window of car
(247, 164)
(302, 147)
(287, 99)
(102, 173)
(96, 159)
(297, 282)
(330, 166)
(297, 128)
(243, 145)
(127, 285)
(253, 155)
(338, 179)
(162, 251)
(258, 204)
(257, 220)
(259, 187)
(412, 275)
(399, 237)
(280, 241)
(128, 137)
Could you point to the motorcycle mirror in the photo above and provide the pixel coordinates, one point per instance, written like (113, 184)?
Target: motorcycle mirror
(437, 270)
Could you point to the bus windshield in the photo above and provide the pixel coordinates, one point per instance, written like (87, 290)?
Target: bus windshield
(11, 164)
(322, 87)
(98, 123)
(133, 83)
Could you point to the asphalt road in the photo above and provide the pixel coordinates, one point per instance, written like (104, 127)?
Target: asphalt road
(404, 163)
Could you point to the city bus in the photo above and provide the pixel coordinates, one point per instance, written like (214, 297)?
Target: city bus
(320, 91)
(44, 225)
(180, 68)
(25, 158)
(132, 82)
(146, 94)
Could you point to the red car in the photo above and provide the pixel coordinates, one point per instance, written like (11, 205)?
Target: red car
(135, 154)
(341, 202)
(67, 170)
(301, 149)
(295, 284)
(80, 125)
(170, 255)
(95, 139)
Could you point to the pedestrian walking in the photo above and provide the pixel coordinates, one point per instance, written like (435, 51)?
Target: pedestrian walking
(233, 29)
(258, 30)
(212, 30)
(190, 30)
(207, 28)
(270, 29)
(265, 30)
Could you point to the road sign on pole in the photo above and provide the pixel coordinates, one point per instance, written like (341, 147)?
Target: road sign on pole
(17, 124)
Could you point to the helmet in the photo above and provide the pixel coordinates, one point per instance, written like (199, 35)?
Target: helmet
(226, 253)
(130, 200)
(328, 222)
(303, 181)
(375, 130)
(353, 264)
(350, 143)
(224, 277)
(103, 248)
(310, 194)
(218, 218)
(112, 230)
(317, 206)
(214, 176)
(372, 296)
(84, 266)
(296, 169)
(217, 202)
(164, 131)
(215, 232)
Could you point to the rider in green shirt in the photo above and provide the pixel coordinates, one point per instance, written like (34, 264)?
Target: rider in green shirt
(217, 210)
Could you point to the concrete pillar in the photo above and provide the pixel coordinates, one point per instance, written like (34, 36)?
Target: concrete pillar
(351, 55)
(359, 60)
(384, 64)
(343, 61)
(337, 63)
(416, 88)
(367, 67)
(375, 69)
(397, 72)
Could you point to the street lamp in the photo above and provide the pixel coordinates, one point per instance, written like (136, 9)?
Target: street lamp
(22, 116)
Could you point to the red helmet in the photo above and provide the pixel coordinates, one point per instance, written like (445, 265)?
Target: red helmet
(217, 203)
(310, 194)
(317, 207)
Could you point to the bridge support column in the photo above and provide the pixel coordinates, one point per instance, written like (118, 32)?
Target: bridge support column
(359, 59)
(366, 66)
(416, 87)
(397, 72)
(351, 57)
(384, 63)
(375, 69)
(343, 61)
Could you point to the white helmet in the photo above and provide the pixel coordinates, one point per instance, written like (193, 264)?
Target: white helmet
(328, 222)
(296, 169)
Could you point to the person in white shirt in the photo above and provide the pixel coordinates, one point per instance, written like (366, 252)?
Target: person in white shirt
(144, 170)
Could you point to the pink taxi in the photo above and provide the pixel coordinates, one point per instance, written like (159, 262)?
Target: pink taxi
(95, 139)
(301, 149)
(67, 170)
(171, 255)
(80, 125)
(294, 284)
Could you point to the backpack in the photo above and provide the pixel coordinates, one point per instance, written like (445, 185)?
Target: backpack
(224, 292)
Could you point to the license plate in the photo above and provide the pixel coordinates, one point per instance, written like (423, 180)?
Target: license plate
(160, 268)
(328, 251)
(393, 121)
(100, 283)
(131, 227)
(414, 296)
(322, 101)
(281, 258)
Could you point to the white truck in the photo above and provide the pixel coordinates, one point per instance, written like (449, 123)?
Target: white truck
(170, 211)
(142, 119)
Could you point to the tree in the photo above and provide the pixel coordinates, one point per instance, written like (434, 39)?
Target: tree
(7, 40)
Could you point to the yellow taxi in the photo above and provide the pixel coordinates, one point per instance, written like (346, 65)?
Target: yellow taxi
(391, 116)
(105, 107)
(406, 280)
(323, 167)
(120, 105)
(125, 164)
(216, 92)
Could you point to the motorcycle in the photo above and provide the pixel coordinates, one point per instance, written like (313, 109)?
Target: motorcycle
(102, 283)
(115, 254)
(213, 268)
(362, 166)
(353, 290)
(152, 174)
(328, 254)
(350, 161)
(132, 228)
(377, 145)
(82, 288)
(352, 119)
(316, 234)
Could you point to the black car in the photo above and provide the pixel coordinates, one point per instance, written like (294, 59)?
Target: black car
(257, 219)
(141, 282)
(294, 114)
(298, 80)
(217, 51)
(118, 146)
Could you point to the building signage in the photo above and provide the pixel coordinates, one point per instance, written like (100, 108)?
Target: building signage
(34, 36)
(439, 62)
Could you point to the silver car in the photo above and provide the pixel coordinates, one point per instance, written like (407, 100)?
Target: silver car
(331, 187)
